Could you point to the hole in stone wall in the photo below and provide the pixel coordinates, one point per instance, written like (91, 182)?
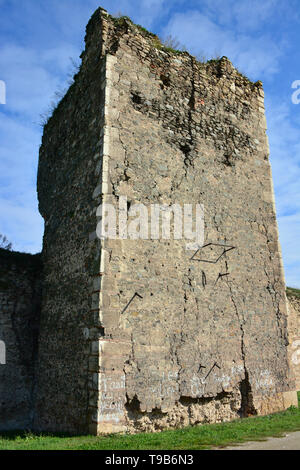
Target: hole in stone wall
(133, 406)
(166, 80)
(136, 99)
(126, 176)
(185, 148)
(134, 411)
(247, 406)
(102, 332)
(228, 160)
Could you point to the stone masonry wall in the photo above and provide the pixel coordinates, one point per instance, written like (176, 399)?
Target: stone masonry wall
(145, 334)
(20, 294)
(201, 341)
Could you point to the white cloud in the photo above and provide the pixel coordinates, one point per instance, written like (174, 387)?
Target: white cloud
(33, 76)
(144, 12)
(244, 15)
(256, 56)
(149, 11)
(248, 16)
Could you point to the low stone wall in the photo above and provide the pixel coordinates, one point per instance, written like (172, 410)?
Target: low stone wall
(20, 292)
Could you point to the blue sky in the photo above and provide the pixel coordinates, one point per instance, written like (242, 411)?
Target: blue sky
(38, 37)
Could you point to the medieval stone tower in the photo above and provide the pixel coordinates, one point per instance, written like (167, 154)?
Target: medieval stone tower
(143, 334)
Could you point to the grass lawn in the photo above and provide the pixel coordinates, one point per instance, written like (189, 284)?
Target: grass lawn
(191, 438)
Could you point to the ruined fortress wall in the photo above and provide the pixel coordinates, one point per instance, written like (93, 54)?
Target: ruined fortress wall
(200, 347)
(145, 334)
(20, 293)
